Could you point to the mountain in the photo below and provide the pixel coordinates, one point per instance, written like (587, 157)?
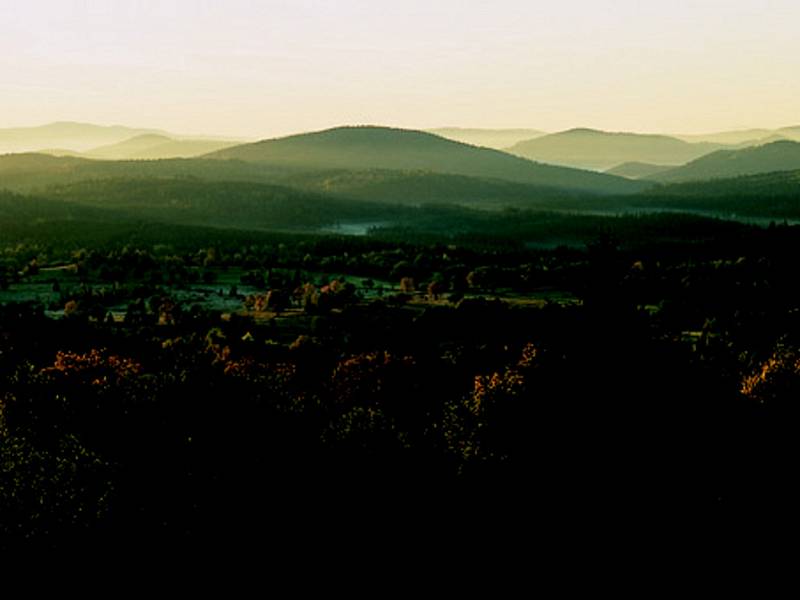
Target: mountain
(364, 148)
(33, 172)
(638, 170)
(152, 146)
(773, 195)
(424, 187)
(793, 133)
(488, 138)
(67, 135)
(777, 156)
(128, 148)
(727, 138)
(593, 149)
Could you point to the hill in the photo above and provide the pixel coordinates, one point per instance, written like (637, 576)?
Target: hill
(777, 156)
(638, 170)
(67, 135)
(488, 138)
(593, 149)
(727, 138)
(128, 148)
(20, 210)
(424, 187)
(240, 205)
(364, 148)
(792, 133)
(31, 171)
(743, 137)
(151, 146)
(766, 195)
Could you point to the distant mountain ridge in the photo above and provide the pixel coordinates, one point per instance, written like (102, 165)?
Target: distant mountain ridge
(153, 146)
(65, 138)
(742, 136)
(595, 149)
(777, 156)
(488, 138)
(67, 135)
(370, 147)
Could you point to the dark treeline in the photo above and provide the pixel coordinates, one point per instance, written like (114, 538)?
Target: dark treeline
(666, 382)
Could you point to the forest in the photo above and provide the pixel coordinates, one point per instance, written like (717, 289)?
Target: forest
(389, 380)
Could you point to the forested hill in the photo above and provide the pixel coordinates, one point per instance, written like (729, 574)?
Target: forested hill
(774, 195)
(25, 172)
(362, 148)
(241, 205)
(34, 172)
(778, 156)
(593, 149)
(65, 134)
(425, 187)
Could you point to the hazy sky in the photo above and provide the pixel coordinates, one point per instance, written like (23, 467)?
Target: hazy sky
(258, 68)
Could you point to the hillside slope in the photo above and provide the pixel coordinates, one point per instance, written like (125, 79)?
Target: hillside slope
(154, 147)
(488, 138)
(593, 149)
(67, 135)
(363, 148)
(777, 156)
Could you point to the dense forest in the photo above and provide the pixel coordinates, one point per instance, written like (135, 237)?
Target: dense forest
(411, 377)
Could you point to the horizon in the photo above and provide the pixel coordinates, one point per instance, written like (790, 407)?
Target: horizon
(262, 70)
(245, 139)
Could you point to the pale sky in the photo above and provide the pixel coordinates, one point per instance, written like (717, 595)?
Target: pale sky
(270, 67)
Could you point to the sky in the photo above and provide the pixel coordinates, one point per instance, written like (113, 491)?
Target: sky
(252, 68)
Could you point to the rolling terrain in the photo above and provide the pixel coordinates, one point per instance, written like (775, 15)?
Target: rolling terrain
(777, 156)
(363, 148)
(767, 195)
(488, 138)
(66, 135)
(593, 149)
(153, 147)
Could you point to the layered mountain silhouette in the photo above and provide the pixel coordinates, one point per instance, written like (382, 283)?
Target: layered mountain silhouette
(778, 156)
(593, 149)
(67, 135)
(375, 172)
(107, 143)
(128, 148)
(793, 133)
(152, 146)
(743, 137)
(728, 138)
(489, 138)
(360, 148)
